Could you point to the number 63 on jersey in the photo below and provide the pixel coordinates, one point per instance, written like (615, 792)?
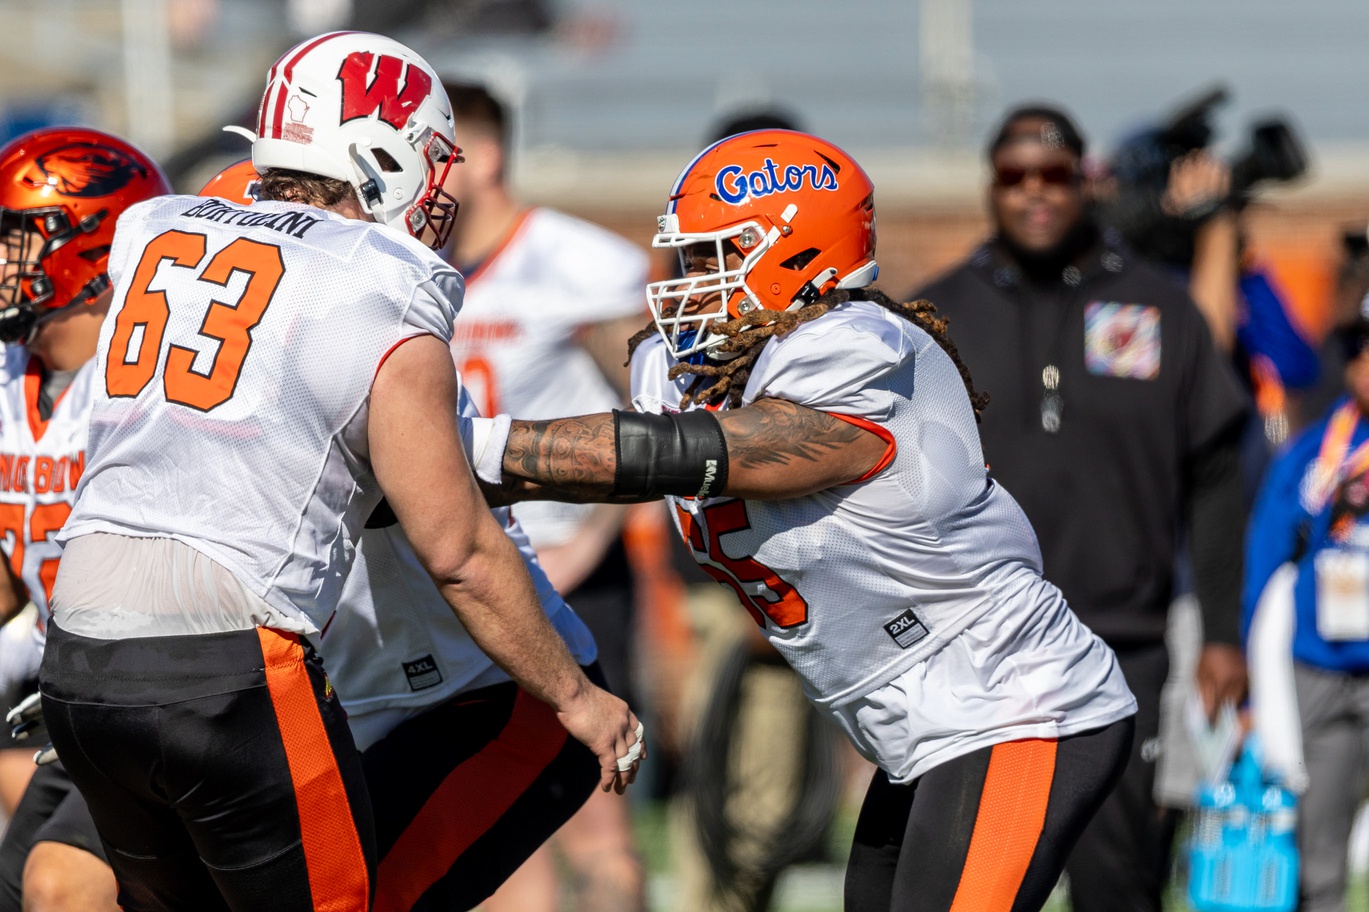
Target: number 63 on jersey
(135, 350)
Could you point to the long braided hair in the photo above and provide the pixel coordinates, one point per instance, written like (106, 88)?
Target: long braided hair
(719, 381)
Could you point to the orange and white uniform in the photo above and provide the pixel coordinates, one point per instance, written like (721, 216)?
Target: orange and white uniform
(910, 602)
(264, 407)
(41, 462)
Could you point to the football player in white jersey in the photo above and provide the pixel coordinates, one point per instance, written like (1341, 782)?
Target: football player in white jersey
(550, 299)
(268, 373)
(818, 443)
(467, 774)
(61, 191)
(426, 707)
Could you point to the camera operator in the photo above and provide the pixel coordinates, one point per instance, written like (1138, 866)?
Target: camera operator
(1200, 182)
(1180, 206)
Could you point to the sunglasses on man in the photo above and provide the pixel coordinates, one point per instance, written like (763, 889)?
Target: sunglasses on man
(1061, 175)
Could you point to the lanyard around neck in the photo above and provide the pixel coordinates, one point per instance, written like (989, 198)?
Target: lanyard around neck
(1333, 465)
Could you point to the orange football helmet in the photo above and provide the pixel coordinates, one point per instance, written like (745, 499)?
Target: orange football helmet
(237, 183)
(798, 211)
(61, 191)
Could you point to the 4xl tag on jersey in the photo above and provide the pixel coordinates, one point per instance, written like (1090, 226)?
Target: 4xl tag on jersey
(422, 672)
(906, 629)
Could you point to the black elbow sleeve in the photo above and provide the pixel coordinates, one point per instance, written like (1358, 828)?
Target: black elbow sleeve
(684, 455)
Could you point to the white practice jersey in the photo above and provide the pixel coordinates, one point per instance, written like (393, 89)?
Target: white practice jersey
(886, 579)
(233, 376)
(41, 463)
(517, 343)
(395, 647)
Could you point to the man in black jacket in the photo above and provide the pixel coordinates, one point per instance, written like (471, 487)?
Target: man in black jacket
(1113, 422)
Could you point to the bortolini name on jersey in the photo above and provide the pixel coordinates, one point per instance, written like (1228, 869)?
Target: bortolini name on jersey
(294, 224)
(41, 474)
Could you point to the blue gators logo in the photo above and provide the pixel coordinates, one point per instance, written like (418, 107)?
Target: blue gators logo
(734, 184)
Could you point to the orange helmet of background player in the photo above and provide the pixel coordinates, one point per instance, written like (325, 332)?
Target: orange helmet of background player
(797, 210)
(237, 183)
(62, 190)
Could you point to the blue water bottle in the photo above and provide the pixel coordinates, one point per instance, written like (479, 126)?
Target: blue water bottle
(1243, 853)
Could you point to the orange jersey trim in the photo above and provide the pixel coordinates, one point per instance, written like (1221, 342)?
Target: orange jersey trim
(880, 431)
(1012, 814)
(472, 798)
(338, 881)
(519, 222)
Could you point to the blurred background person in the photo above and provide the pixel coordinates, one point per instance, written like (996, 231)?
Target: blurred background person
(1306, 623)
(1113, 421)
(550, 302)
(1346, 300)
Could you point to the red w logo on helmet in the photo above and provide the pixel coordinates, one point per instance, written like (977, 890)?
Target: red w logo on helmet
(363, 95)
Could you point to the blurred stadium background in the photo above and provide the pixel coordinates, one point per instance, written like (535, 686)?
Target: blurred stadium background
(614, 96)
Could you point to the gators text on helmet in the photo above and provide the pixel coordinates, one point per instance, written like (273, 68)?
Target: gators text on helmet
(797, 211)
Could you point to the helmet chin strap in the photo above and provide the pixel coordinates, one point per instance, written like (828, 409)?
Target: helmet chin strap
(861, 277)
(368, 187)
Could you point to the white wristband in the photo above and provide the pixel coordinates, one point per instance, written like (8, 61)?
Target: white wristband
(486, 440)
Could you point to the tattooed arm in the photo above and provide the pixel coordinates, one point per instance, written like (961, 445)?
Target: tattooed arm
(776, 450)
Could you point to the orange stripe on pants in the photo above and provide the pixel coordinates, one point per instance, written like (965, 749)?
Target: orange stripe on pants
(1012, 813)
(332, 850)
(468, 802)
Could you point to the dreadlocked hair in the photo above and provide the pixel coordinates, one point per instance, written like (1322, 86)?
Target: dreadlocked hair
(716, 382)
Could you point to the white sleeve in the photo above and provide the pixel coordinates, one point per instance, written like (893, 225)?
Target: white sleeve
(843, 362)
(435, 304)
(652, 390)
(619, 289)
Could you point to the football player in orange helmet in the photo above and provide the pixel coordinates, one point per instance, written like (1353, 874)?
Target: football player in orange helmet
(818, 444)
(237, 183)
(61, 192)
(785, 234)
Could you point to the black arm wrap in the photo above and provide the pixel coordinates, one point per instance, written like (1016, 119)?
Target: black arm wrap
(682, 454)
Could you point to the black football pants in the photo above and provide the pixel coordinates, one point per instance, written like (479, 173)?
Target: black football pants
(986, 832)
(218, 768)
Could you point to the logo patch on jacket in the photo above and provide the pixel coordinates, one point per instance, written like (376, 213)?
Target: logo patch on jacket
(1122, 340)
(422, 673)
(906, 629)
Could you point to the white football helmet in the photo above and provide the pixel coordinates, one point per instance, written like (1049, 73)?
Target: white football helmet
(365, 109)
